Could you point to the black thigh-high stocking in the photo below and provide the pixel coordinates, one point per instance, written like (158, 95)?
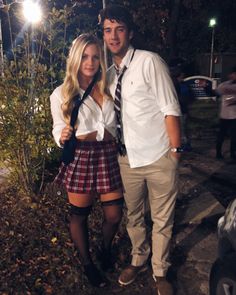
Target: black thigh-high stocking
(80, 237)
(79, 231)
(112, 211)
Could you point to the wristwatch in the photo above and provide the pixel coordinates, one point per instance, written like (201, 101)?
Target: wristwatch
(177, 149)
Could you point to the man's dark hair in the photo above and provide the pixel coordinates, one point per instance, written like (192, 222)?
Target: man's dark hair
(117, 13)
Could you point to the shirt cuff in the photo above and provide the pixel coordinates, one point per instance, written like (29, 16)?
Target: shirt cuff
(57, 139)
(171, 110)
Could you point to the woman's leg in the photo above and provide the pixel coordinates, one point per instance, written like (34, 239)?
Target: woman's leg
(112, 206)
(81, 205)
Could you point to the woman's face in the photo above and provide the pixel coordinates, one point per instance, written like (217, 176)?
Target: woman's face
(90, 62)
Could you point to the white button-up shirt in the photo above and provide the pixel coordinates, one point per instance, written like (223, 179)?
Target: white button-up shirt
(91, 116)
(227, 90)
(148, 95)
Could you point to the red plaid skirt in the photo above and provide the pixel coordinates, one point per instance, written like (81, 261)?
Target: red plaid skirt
(95, 169)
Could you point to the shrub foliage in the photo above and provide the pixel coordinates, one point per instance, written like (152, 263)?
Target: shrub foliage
(32, 69)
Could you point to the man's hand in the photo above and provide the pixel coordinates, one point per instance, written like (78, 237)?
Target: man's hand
(65, 134)
(173, 130)
(176, 155)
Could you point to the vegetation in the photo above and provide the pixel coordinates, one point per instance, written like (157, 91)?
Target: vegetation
(34, 67)
(37, 256)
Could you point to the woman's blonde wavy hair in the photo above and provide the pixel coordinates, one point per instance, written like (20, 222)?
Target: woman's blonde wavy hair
(70, 86)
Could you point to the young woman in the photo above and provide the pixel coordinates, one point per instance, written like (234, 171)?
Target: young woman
(94, 170)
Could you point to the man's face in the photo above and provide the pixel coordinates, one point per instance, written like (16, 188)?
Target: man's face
(117, 37)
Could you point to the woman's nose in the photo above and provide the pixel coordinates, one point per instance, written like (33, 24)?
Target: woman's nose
(90, 60)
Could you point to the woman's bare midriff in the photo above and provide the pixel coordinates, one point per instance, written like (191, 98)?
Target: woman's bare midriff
(92, 136)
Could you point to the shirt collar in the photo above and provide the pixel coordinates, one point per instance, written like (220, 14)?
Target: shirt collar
(126, 59)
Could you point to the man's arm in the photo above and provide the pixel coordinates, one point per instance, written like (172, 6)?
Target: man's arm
(174, 133)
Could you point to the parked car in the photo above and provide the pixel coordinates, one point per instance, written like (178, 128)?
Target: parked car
(223, 271)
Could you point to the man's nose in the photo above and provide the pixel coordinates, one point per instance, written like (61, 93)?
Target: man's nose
(113, 34)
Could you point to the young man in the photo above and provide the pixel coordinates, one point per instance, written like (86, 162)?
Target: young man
(148, 133)
(227, 124)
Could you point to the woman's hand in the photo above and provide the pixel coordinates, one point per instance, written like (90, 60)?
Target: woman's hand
(65, 134)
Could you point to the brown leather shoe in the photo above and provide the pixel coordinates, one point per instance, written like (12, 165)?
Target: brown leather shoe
(130, 273)
(163, 286)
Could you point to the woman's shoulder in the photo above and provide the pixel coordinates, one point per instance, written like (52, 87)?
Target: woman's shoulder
(57, 90)
(57, 93)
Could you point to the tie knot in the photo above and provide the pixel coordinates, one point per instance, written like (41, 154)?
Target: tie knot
(120, 72)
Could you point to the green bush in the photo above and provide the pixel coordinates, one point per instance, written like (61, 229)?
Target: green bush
(35, 68)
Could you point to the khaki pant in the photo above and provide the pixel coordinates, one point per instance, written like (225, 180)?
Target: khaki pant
(160, 181)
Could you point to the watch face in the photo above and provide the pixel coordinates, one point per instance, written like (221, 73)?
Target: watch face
(177, 150)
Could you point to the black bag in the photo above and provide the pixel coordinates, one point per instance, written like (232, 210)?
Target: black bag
(68, 152)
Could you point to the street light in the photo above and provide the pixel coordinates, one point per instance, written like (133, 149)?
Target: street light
(32, 12)
(212, 24)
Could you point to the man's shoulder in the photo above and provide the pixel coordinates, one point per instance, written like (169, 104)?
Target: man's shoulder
(227, 84)
(146, 53)
(148, 57)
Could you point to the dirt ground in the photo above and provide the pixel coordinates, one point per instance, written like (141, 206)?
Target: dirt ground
(38, 257)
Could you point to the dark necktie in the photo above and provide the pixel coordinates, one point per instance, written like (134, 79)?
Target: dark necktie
(117, 103)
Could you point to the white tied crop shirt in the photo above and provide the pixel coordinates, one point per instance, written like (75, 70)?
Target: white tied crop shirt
(91, 116)
(148, 95)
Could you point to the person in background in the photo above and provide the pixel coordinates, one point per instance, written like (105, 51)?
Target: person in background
(185, 98)
(148, 134)
(95, 169)
(227, 116)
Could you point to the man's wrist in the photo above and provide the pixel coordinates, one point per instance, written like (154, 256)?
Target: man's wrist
(177, 149)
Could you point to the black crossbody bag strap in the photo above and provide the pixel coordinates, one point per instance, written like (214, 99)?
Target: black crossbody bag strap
(78, 101)
(69, 147)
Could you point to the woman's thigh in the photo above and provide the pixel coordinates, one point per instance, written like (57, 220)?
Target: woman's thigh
(114, 195)
(80, 200)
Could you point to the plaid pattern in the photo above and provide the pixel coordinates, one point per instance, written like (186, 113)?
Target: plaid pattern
(95, 169)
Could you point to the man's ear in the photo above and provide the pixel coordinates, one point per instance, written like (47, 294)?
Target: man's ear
(131, 35)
